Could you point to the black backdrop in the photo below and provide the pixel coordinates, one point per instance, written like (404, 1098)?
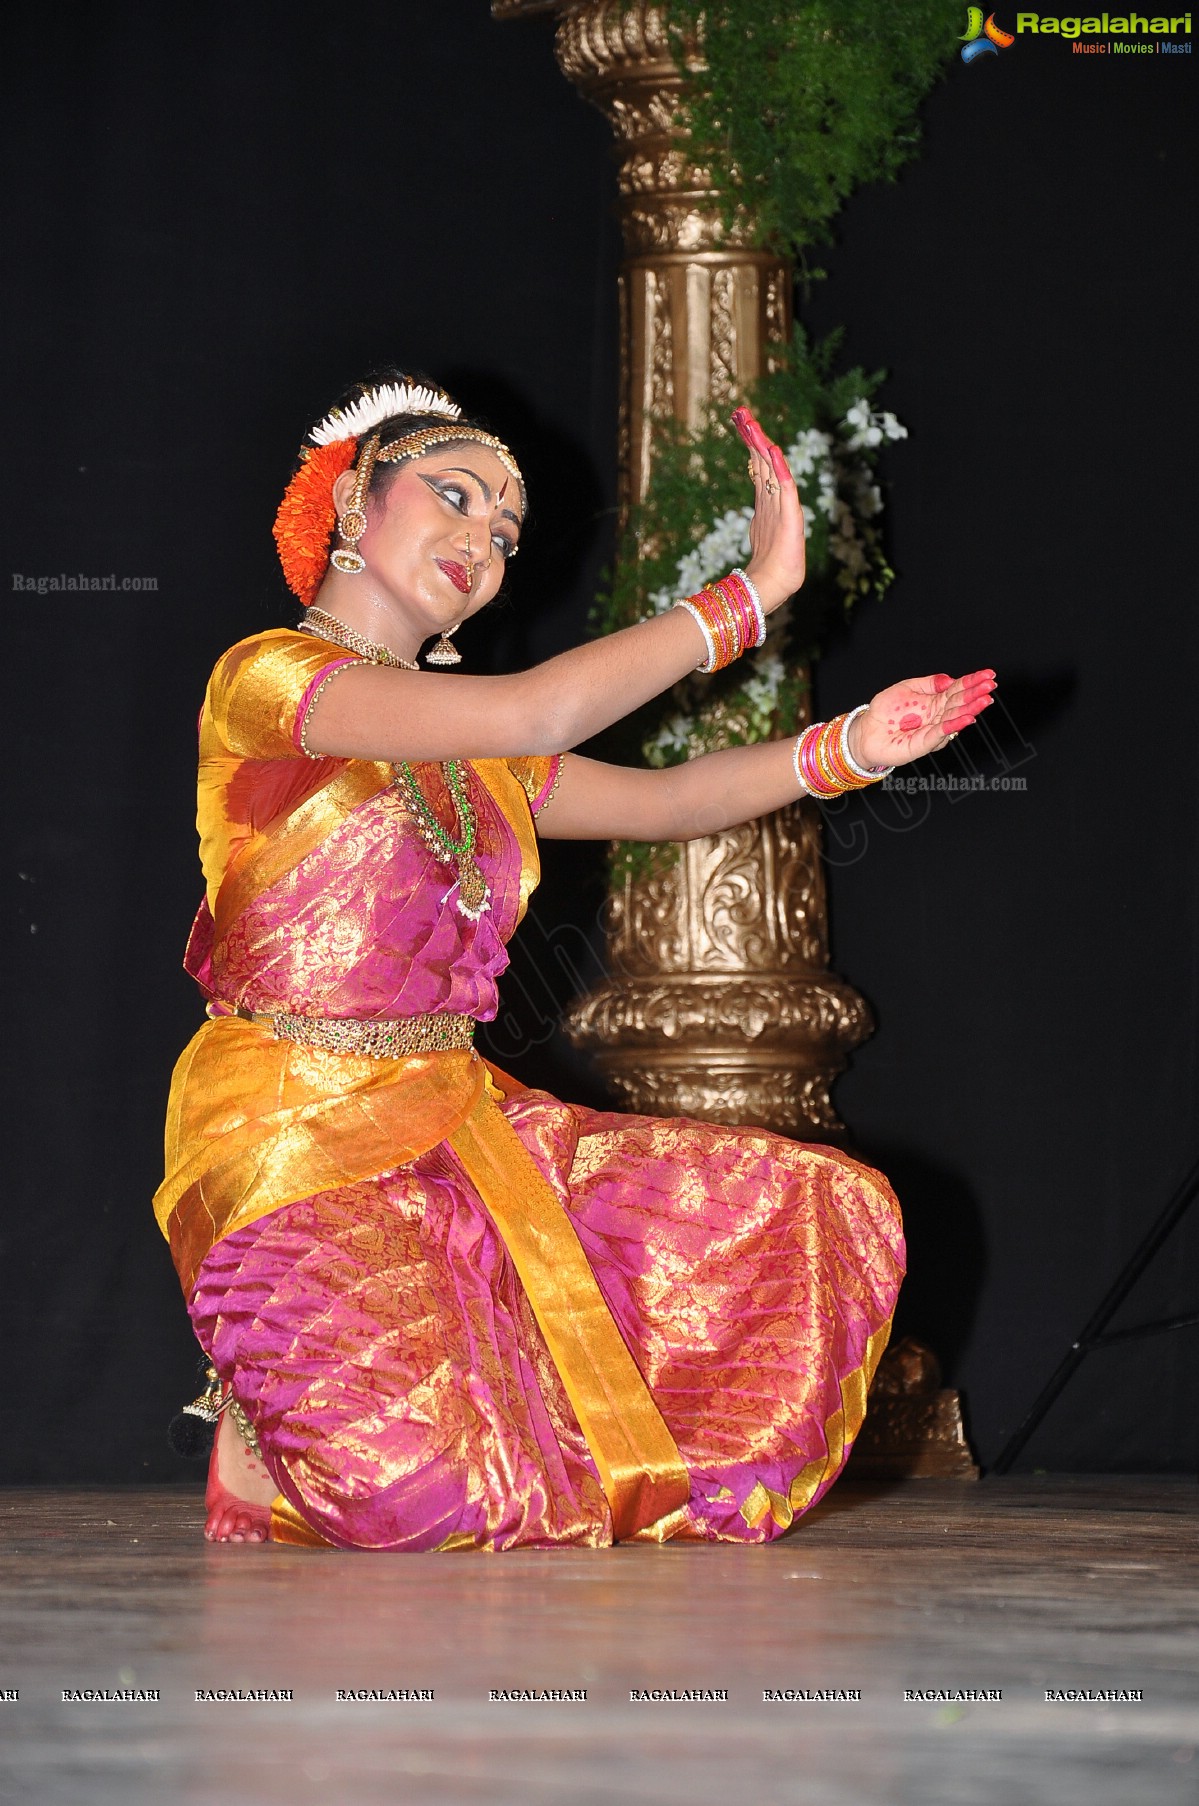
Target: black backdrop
(220, 218)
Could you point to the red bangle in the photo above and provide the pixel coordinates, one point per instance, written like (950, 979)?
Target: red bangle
(823, 763)
(728, 619)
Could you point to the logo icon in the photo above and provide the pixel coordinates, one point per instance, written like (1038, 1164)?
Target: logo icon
(983, 38)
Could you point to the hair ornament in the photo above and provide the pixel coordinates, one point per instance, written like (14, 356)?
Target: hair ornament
(380, 404)
(306, 518)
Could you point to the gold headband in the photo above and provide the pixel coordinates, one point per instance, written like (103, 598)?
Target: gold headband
(415, 445)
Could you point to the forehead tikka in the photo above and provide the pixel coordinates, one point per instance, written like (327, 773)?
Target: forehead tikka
(415, 445)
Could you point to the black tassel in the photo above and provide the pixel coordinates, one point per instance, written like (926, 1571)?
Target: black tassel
(192, 1431)
(191, 1435)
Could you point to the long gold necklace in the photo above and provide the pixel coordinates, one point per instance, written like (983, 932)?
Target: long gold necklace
(328, 627)
(474, 894)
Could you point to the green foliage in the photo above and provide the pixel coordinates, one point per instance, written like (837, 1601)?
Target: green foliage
(807, 101)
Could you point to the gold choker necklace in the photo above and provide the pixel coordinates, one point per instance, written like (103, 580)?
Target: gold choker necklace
(328, 627)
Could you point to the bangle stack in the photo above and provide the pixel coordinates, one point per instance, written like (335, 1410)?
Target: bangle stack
(729, 614)
(824, 764)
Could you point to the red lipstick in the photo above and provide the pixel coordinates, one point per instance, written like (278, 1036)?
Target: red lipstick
(457, 574)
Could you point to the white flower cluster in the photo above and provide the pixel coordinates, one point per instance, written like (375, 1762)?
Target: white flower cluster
(811, 460)
(762, 689)
(379, 404)
(721, 550)
(672, 739)
(758, 697)
(846, 492)
(869, 428)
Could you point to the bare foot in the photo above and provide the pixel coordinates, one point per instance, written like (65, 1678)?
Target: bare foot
(240, 1491)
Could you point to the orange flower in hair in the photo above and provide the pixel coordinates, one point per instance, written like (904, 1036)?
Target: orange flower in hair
(306, 518)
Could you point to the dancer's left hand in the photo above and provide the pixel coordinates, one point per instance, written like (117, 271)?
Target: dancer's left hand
(918, 716)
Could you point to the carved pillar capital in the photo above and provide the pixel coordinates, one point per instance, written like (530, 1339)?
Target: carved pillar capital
(620, 57)
(700, 306)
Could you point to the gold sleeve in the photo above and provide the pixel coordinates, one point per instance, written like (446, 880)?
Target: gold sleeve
(261, 689)
(537, 777)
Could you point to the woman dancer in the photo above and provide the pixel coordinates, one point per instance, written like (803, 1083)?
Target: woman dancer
(443, 1310)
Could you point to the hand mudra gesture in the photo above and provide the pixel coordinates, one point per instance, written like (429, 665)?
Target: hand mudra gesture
(777, 542)
(918, 716)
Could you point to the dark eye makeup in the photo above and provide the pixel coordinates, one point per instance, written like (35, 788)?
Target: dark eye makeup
(457, 498)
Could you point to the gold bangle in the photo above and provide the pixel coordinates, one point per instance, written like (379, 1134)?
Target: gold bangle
(722, 612)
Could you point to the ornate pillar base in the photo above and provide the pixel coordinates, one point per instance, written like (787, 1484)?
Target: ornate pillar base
(757, 1051)
(721, 1004)
(913, 1428)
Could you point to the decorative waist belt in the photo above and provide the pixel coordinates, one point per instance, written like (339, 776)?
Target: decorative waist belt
(378, 1039)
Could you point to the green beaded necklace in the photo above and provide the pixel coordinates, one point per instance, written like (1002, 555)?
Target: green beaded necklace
(474, 895)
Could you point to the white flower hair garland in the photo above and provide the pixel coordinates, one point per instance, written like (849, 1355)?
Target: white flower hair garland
(378, 405)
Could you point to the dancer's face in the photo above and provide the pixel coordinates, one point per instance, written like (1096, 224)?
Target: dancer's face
(438, 540)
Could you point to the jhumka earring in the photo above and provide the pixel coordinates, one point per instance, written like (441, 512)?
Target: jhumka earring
(445, 652)
(352, 524)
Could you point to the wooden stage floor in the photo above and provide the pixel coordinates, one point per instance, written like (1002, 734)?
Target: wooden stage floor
(1015, 1586)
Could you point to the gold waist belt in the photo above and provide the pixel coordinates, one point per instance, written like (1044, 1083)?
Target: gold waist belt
(377, 1039)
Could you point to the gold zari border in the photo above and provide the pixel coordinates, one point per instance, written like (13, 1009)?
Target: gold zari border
(640, 1468)
(287, 1526)
(840, 1429)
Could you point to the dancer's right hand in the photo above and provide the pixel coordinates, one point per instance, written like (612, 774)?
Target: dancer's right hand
(778, 551)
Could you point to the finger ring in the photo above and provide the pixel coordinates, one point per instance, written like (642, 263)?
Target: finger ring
(751, 470)
(770, 486)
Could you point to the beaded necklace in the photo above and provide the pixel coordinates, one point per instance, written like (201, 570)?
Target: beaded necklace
(474, 894)
(328, 627)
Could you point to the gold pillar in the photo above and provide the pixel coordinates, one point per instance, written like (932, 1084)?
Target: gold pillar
(700, 307)
(720, 1004)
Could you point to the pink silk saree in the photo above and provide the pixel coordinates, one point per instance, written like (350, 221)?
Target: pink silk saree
(460, 1313)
